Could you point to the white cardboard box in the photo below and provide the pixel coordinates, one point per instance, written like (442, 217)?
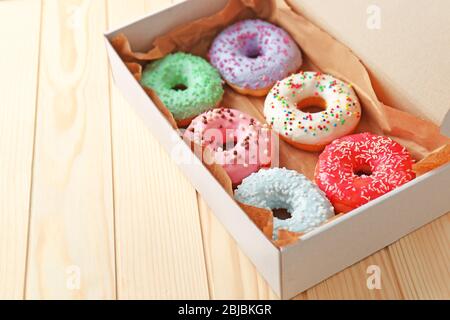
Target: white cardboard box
(320, 253)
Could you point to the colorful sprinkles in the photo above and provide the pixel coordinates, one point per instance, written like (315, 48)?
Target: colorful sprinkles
(203, 85)
(254, 54)
(240, 143)
(340, 117)
(282, 188)
(359, 168)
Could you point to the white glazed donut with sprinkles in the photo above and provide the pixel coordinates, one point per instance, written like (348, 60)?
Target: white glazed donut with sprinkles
(310, 109)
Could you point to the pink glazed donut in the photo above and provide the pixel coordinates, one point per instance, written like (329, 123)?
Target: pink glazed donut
(240, 144)
(252, 55)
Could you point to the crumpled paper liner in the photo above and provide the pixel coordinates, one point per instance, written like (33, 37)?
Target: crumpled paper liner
(286, 238)
(207, 157)
(162, 108)
(321, 53)
(197, 36)
(261, 217)
(437, 158)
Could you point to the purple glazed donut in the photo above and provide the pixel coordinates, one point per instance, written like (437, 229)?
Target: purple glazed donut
(252, 55)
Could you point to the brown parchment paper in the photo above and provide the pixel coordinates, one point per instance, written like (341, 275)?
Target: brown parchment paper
(321, 53)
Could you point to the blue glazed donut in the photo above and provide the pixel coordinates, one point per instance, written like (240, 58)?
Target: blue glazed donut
(286, 189)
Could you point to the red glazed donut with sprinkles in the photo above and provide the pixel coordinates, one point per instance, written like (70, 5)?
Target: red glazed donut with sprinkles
(309, 110)
(359, 168)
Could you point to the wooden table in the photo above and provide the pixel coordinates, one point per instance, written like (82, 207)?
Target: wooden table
(92, 207)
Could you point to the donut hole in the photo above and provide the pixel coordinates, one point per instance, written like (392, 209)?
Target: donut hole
(363, 171)
(179, 87)
(250, 47)
(229, 144)
(312, 105)
(253, 53)
(281, 214)
(226, 144)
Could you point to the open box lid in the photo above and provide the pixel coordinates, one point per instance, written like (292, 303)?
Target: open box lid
(404, 43)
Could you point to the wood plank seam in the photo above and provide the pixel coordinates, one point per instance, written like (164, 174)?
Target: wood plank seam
(150, 265)
(18, 78)
(72, 190)
(110, 84)
(396, 273)
(34, 147)
(205, 260)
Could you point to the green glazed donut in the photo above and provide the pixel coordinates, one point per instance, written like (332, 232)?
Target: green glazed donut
(187, 85)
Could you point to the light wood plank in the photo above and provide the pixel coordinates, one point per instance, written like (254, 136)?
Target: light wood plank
(231, 275)
(351, 283)
(19, 31)
(71, 230)
(159, 243)
(422, 261)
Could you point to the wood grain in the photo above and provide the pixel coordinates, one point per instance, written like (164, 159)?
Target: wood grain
(18, 83)
(85, 187)
(351, 283)
(422, 261)
(231, 275)
(71, 230)
(159, 242)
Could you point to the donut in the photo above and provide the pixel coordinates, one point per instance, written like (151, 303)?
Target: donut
(310, 109)
(359, 168)
(187, 85)
(280, 188)
(252, 55)
(241, 144)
